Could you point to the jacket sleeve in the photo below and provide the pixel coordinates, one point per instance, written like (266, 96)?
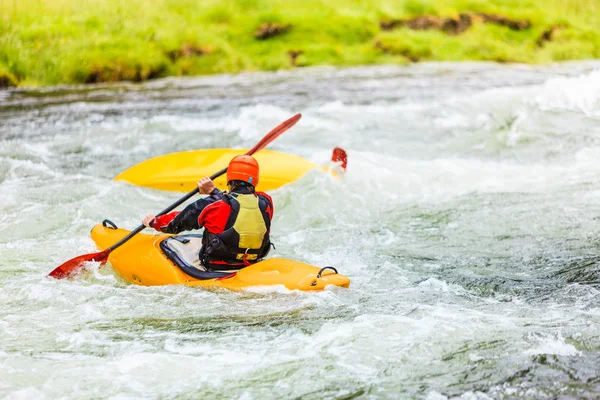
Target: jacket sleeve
(161, 222)
(187, 219)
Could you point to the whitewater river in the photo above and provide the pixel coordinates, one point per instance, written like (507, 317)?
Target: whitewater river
(468, 222)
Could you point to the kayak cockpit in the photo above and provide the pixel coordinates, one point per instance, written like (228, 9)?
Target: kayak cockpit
(184, 251)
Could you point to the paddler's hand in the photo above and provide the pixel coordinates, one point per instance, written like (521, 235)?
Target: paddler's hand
(206, 185)
(146, 221)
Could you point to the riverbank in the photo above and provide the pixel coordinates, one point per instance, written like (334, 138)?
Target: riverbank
(73, 41)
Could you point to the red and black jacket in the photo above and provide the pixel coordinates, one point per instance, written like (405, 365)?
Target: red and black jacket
(217, 213)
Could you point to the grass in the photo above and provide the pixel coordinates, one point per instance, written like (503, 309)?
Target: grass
(47, 42)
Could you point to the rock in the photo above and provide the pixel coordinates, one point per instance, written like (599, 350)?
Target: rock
(453, 25)
(390, 25)
(269, 30)
(7, 80)
(514, 24)
(423, 22)
(116, 72)
(294, 54)
(188, 50)
(548, 35)
(397, 51)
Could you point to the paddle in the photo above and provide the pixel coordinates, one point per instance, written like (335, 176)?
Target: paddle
(73, 264)
(339, 156)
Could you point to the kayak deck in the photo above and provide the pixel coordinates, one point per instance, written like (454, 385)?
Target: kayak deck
(142, 262)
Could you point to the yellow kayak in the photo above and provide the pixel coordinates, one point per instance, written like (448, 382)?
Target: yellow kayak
(143, 261)
(179, 172)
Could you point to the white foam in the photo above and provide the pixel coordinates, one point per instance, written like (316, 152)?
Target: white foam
(281, 289)
(435, 284)
(474, 396)
(27, 394)
(439, 179)
(555, 346)
(433, 395)
(578, 94)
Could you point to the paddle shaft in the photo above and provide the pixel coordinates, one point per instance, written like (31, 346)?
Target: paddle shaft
(268, 138)
(166, 210)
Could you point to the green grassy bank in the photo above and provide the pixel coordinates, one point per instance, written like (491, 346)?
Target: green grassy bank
(44, 42)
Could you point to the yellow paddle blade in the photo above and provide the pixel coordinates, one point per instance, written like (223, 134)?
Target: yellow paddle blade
(179, 172)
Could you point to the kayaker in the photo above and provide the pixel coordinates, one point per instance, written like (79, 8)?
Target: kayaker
(236, 223)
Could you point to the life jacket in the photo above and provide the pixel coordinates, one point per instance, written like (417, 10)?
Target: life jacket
(245, 238)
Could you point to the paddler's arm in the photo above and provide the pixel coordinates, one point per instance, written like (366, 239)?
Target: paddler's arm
(187, 219)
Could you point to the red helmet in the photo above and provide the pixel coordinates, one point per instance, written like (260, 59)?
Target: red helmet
(243, 168)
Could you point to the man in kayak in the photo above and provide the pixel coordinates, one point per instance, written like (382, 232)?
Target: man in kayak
(236, 223)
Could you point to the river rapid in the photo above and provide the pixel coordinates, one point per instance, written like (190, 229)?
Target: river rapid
(468, 222)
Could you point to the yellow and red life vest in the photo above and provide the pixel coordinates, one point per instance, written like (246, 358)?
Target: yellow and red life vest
(245, 236)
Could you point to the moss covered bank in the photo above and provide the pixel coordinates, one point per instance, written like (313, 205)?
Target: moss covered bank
(45, 42)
